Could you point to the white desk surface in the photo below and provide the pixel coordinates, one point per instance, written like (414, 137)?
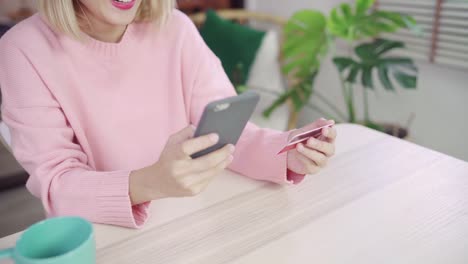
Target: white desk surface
(380, 200)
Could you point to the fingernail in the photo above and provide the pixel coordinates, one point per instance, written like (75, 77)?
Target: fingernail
(323, 119)
(214, 137)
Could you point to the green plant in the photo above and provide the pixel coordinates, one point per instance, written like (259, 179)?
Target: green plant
(372, 57)
(310, 35)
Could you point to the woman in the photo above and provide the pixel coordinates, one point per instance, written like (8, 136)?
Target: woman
(100, 96)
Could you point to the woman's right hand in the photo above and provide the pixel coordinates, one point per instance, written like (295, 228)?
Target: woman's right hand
(176, 174)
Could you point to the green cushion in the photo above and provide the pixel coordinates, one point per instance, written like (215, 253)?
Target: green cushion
(235, 45)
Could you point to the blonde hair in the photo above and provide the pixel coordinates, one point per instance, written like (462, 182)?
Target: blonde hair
(67, 16)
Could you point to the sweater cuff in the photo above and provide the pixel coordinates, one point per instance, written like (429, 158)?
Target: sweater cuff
(294, 178)
(140, 213)
(285, 176)
(100, 197)
(114, 204)
(289, 177)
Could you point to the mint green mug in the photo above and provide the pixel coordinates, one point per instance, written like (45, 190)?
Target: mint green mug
(56, 240)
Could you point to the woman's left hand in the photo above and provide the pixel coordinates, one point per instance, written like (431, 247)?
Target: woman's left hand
(309, 157)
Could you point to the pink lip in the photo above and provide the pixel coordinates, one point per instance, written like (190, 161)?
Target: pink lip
(123, 6)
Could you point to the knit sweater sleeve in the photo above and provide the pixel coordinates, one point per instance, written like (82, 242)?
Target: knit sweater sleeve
(45, 145)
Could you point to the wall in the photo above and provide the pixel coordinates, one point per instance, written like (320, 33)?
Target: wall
(288, 7)
(440, 104)
(7, 6)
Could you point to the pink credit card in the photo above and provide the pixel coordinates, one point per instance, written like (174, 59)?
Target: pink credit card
(302, 137)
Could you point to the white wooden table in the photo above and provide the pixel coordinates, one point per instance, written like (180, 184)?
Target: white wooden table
(381, 200)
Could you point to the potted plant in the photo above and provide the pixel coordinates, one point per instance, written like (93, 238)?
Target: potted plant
(309, 36)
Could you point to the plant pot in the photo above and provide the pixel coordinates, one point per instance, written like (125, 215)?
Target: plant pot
(387, 128)
(394, 130)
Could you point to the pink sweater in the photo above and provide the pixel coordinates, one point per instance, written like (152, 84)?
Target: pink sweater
(84, 115)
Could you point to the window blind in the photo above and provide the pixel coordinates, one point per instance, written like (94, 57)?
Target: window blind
(444, 25)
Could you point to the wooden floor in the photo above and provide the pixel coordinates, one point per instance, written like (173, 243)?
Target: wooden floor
(18, 208)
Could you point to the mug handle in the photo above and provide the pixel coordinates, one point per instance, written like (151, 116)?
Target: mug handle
(6, 253)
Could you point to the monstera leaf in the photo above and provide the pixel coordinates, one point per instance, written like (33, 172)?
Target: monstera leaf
(299, 95)
(306, 43)
(372, 57)
(363, 22)
(308, 35)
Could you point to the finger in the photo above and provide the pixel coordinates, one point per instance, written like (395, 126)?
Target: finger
(182, 135)
(186, 167)
(191, 176)
(309, 166)
(209, 174)
(196, 183)
(212, 159)
(328, 149)
(195, 145)
(317, 157)
(329, 134)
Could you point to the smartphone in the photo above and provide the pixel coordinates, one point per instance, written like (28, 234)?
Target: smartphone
(227, 118)
(315, 133)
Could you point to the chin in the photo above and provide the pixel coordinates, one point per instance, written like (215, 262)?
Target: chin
(120, 20)
(118, 13)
